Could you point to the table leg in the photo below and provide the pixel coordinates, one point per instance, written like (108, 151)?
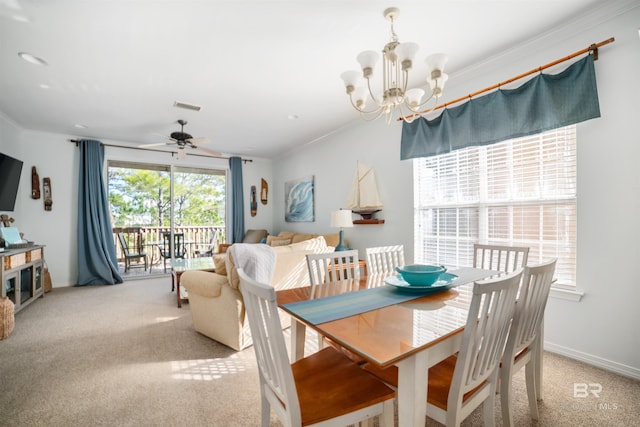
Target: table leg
(412, 390)
(298, 337)
(176, 279)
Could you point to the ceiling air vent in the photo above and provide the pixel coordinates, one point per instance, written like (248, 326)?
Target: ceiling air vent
(187, 106)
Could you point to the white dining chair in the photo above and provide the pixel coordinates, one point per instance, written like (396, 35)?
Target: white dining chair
(500, 258)
(333, 273)
(520, 350)
(325, 388)
(382, 262)
(462, 382)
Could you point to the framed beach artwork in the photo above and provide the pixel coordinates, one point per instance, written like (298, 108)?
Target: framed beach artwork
(299, 202)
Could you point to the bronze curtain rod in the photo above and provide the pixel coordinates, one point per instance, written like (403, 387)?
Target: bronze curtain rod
(77, 141)
(593, 48)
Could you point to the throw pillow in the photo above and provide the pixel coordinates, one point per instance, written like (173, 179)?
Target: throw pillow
(220, 263)
(232, 273)
(302, 237)
(288, 234)
(317, 245)
(277, 241)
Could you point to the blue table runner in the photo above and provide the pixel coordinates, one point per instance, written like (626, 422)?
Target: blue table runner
(321, 310)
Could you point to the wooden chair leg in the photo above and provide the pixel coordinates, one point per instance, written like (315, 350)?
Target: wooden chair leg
(530, 376)
(487, 409)
(505, 397)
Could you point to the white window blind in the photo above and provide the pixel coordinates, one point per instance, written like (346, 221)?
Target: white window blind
(520, 192)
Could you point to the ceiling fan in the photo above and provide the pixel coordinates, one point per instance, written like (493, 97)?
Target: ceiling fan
(183, 139)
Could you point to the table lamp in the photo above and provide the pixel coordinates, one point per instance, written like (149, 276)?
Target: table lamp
(341, 219)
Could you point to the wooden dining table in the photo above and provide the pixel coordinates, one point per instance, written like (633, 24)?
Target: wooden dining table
(413, 333)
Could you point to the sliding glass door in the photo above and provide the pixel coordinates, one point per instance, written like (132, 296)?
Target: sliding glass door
(150, 203)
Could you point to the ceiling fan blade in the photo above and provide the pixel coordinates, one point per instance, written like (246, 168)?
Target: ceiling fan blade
(198, 140)
(164, 136)
(206, 150)
(156, 144)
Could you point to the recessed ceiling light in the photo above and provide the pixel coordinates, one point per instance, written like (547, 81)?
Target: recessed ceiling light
(79, 126)
(44, 86)
(32, 59)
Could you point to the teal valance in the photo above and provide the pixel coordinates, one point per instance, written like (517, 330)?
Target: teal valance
(543, 103)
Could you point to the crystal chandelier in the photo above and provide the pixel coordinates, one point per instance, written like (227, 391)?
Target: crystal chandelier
(397, 61)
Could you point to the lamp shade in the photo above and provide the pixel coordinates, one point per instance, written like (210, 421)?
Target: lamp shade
(351, 77)
(341, 218)
(368, 59)
(437, 61)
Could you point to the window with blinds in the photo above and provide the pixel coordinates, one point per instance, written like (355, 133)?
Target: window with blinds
(520, 192)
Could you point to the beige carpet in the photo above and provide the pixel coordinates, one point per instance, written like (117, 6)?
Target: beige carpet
(125, 355)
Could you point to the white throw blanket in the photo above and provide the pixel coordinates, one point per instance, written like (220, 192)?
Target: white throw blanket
(257, 260)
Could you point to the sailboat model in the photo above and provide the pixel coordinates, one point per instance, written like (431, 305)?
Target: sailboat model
(364, 198)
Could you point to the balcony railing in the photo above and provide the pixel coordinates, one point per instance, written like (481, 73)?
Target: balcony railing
(198, 240)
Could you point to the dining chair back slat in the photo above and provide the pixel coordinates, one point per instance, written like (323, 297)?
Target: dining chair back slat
(500, 258)
(382, 262)
(333, 273)
(325, 388)
(521, 348)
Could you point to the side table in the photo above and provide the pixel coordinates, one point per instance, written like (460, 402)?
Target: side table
(179, 266)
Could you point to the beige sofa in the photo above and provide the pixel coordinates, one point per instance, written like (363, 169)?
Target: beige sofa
(216, 303)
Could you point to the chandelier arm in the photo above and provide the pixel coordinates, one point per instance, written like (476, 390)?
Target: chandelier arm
(361, 110)
(366, 118)
(403, 115)
(405, 78)
(372, 95)
(417, 108)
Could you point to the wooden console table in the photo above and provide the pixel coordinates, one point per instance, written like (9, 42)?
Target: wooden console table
(22, 275)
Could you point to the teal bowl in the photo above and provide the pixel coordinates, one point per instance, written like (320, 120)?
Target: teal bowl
(421, 275)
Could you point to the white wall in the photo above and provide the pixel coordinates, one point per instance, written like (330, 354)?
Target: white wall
(333, 165)
(599, 329)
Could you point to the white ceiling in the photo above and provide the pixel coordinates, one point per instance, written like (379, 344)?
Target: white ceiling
(118, 66)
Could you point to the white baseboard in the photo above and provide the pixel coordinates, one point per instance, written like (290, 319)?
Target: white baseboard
(609, 365)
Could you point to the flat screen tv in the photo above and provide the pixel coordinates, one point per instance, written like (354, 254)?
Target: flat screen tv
(10, 170)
